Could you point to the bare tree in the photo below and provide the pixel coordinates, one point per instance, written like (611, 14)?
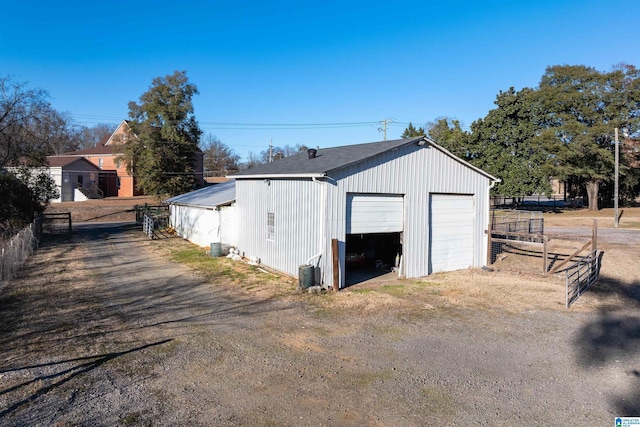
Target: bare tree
(219, 159)
(21, 110)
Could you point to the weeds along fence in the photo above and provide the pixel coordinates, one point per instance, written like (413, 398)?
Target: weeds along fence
(15, 251)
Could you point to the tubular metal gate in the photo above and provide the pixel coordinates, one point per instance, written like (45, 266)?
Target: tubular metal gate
(582, 276)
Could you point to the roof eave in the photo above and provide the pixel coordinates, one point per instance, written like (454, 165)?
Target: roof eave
(279, 175)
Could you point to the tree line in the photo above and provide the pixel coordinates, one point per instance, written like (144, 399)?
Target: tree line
(564, 129)
(30, 130)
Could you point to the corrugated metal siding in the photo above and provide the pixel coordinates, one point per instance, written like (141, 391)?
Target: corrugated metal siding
(298, 209)
(415, 172)
(197, 225)
(412, 171)
(202, 226)
(229, 225)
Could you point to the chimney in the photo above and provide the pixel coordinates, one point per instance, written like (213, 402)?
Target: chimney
(312, 153)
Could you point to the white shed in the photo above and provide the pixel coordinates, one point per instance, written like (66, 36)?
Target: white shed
(408, 202)
(75, 177)
(207, 215)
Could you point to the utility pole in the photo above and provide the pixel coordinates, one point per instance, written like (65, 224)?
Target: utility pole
(384, 124)
(615, 189)
(271, 149)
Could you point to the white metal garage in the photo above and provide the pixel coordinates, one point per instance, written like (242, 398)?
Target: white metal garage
(374, 199)
(374, 213)
(452, 236)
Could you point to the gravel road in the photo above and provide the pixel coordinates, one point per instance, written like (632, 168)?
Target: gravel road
(101, 330)
(619, 236)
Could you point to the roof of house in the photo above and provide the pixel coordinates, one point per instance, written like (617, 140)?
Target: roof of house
(330, 159)
(98, 150)
(62, 161)
(214, 195)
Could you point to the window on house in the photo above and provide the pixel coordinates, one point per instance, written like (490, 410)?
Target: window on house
(100, 163)
(271, 226)
(117, 163)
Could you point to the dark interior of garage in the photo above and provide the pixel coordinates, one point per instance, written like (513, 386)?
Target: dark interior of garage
(371, 255)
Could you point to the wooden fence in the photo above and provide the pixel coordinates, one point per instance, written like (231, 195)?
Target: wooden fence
(56, 222)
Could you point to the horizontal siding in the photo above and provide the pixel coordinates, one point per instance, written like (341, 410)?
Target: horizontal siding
(368, 213)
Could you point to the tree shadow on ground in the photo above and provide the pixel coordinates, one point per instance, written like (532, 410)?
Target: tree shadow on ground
(96, 294)
(613, 337)
(49, 382)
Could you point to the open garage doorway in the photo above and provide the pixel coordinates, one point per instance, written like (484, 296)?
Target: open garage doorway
(371, 255)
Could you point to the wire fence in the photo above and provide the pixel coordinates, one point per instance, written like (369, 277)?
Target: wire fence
(517, 243)
(15, 251)
(517, 221)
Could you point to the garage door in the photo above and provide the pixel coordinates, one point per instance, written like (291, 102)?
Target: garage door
(452, 232)
(374, 213)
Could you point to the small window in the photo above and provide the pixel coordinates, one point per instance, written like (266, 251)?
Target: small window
(100, 163)
(117, 163)
(271, 226)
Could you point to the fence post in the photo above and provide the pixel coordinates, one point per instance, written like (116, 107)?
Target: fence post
(594, 235)
(545, 254)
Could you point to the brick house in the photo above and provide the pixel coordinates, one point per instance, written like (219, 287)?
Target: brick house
(114, 179)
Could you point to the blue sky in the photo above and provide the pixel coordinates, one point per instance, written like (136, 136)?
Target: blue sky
(259, 65)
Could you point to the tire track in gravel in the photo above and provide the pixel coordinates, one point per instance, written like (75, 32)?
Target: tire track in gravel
(129, 338)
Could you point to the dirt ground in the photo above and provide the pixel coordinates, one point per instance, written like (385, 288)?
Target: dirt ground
(110, 209)
(110, 328)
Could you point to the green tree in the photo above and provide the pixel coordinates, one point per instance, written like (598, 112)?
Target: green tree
(411, 132)
(505, 143)
(160, 151)
(582, 106)
(449, 134)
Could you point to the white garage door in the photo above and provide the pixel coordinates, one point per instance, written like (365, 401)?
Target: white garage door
(452, 232)
(374, 213)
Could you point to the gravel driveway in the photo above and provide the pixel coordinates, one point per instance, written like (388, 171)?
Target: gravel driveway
(618, 236)
(101, 330)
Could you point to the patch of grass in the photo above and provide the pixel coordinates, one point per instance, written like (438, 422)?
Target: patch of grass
(135, 419)
(394, 332)
(364, 291)
(188, 255)
(439, 398)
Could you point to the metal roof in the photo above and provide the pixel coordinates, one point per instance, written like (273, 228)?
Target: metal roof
(326, 160)
(329, 159)
(212, 196)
